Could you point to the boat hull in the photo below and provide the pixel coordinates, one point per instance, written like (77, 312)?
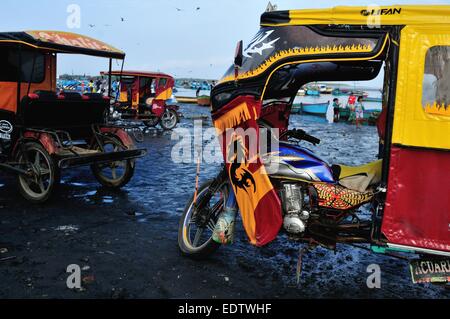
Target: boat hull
(319, 109)
(204, 101)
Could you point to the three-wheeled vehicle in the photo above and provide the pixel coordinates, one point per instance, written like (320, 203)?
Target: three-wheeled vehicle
(43, 131)
(407, 188)
(143, 96)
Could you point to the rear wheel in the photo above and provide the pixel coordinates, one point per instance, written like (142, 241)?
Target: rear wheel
(195, 236)
(116, 174)
(169, 120)
(37, 186)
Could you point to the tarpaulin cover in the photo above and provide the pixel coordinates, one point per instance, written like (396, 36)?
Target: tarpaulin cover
(417, 209)
(65, 42)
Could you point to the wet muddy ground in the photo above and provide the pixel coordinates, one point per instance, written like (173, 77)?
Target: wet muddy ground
(126, 241)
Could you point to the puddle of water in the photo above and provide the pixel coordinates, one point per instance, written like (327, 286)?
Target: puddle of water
(77, 184)
(67, 228)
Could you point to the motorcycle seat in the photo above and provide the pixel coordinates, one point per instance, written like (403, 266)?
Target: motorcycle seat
(358, 178)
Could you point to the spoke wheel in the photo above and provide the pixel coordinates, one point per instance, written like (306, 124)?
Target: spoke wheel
(169, 120)
(115, 174)
(38, 185)
(195, 238)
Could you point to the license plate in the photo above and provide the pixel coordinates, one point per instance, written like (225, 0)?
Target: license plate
(430, 270)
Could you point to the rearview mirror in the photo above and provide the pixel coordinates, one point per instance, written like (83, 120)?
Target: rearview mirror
(239, 55)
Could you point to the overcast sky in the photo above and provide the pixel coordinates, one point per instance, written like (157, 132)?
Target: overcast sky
(187, 38)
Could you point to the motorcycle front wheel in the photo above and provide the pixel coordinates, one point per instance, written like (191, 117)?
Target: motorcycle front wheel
(195, 236)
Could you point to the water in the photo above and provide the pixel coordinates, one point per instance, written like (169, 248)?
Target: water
(323, 98)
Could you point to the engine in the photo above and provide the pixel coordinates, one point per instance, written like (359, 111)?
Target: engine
(295, 215)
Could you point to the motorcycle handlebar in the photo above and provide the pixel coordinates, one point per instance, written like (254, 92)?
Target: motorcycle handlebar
(302, 135)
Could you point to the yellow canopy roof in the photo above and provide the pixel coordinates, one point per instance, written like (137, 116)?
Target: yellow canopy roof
(383, 15)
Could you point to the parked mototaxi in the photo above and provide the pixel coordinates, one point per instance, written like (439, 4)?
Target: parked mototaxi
(144, 96)
(43, 131)
(317, 203)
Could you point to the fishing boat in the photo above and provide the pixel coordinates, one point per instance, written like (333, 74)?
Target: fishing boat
(322, 88)
(373, 99)
(361, 93)
(315, 108)
(340, 92)
(296, 108)
(186, 99)
(204, 100)
(310, 108)
(313, 92)
(370, 116)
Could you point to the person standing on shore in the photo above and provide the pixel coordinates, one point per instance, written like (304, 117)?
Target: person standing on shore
(115, 90)
(359, 111)
(336, 109)
(91, 86)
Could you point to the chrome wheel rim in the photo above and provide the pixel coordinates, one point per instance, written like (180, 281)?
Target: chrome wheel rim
(195, 237)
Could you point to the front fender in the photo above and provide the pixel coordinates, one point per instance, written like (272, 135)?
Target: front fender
(173, 107)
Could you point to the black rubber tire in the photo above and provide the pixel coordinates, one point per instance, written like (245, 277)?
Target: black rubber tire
(54, 179)
(120, 182)
(152, 122)
(170, 127)
(209, 247)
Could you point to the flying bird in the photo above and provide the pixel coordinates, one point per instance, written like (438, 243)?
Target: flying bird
(198, 8)
(91, 25)
(123, 19)
(178, 9)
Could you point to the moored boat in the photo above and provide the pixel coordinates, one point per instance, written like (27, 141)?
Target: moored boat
(313, 92)
(186, 99)
(310, 108)
(339, 92)
(371, 116)
(373, 99)
(204, 100)
(315, 108)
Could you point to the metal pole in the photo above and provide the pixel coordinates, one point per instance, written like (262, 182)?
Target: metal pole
(110, 78)
(390, 107)
(30, 80)
(19, 75)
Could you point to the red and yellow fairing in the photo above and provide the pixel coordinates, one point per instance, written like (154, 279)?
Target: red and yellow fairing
(165, 94)
(258, 202)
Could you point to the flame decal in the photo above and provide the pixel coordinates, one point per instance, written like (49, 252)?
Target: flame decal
(355, 48)
(438, 109)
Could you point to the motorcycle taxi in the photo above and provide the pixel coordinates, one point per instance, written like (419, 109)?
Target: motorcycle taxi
(292, 189)
(43, 130)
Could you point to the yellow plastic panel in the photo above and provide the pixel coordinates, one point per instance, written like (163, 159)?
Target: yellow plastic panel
(384, 15)
(413, 125)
